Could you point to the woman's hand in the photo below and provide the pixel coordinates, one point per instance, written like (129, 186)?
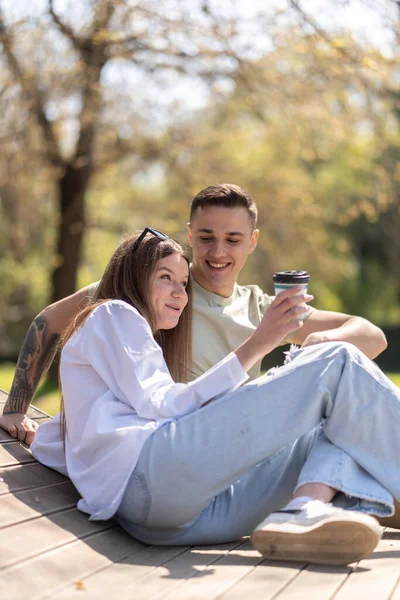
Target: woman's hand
(19, 426)
(278, 322)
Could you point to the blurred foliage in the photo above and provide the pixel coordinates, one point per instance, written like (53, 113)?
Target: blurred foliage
(317, 161)
(307, 123)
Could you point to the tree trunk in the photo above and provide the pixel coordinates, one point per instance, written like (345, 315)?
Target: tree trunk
(72, 189)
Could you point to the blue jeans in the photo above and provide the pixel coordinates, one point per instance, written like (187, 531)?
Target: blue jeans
(328, 416)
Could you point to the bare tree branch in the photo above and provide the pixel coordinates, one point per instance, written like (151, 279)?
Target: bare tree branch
(104, 11)
(321, 32)
(95, 57)
(32, 93)
(341, 50)
(144, 149)
(64, 28)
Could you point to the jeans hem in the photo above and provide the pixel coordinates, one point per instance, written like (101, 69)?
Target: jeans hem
(382, 507)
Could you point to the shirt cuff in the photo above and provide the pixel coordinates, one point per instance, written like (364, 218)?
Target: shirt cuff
(224, 377)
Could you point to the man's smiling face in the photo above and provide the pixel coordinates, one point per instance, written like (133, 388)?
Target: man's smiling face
(221, 239)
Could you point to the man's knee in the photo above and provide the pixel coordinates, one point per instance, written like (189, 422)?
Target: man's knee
(330, 349)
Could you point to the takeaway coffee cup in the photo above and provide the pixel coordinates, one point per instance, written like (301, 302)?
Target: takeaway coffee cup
(287, 279)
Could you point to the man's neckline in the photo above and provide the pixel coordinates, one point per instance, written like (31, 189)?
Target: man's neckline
(212, 296)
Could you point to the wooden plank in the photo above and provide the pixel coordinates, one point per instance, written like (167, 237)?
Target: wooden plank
(265, 581)
(376, 576)
(31, 538)
(323, 580)
(30, 504)
(218, 578)
(396, 592)
(110, 583)
(167, 577)
(44, 575)
(15, 453)
(145, 581)
(23, 477)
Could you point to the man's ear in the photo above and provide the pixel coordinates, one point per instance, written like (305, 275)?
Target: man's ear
(190, 234)
(254, 240)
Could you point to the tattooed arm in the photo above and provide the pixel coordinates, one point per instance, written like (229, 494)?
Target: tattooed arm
(36, 355)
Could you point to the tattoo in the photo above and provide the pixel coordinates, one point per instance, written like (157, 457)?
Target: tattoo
(35, 357)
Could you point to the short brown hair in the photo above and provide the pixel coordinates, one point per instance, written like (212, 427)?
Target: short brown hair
(227, 195)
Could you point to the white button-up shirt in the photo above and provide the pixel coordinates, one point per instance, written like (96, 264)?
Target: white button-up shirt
(117, 391)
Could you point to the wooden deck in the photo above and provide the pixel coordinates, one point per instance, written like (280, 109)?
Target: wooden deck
(48, 549)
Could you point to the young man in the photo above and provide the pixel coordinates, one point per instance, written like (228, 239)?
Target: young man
(222, 233)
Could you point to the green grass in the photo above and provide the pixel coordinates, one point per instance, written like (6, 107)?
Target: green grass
(395, 377)
(48, 399)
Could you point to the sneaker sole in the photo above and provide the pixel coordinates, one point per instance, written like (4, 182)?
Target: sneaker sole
(335, 542)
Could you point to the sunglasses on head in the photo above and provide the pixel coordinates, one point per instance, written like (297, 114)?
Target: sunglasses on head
(147, 230)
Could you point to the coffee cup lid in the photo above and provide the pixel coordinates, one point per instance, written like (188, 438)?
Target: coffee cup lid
(300, 277)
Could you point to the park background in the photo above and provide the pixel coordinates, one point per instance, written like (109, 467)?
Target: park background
(113, 114)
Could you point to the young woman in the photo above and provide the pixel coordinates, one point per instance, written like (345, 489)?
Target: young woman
(212, 460)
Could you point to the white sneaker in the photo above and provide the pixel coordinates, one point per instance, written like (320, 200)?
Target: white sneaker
(317, 533)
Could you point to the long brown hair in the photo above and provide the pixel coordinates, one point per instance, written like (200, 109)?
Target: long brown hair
(127, 277)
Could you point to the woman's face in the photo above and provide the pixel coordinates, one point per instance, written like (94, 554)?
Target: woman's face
(168, 290)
